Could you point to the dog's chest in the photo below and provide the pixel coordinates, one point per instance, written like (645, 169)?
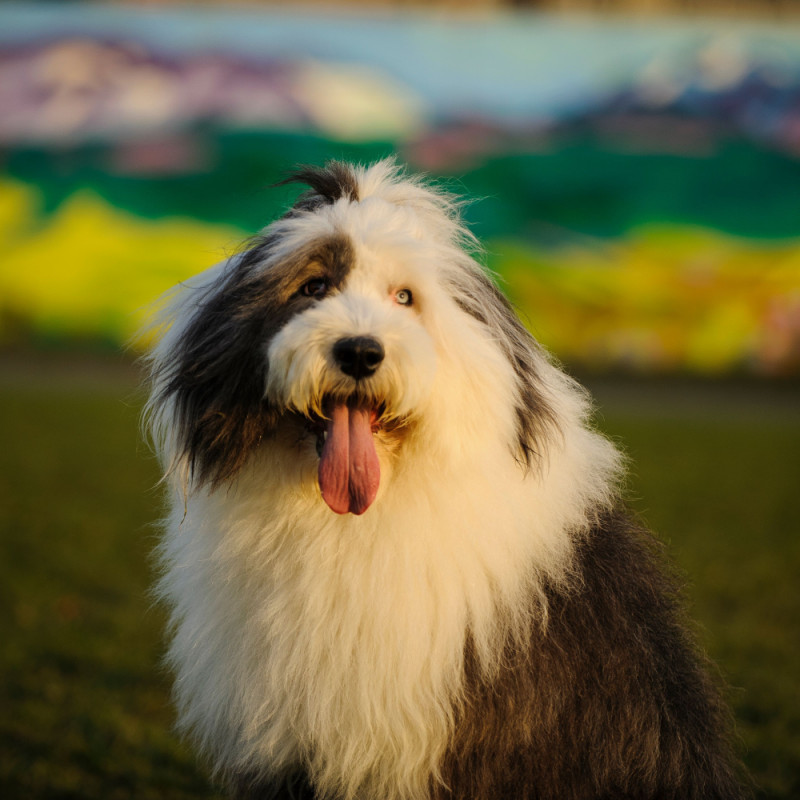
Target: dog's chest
(360, 612)
(359, 646)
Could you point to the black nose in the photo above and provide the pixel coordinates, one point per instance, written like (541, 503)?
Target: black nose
(358, 356)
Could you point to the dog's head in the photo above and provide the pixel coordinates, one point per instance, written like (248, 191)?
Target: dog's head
(351, 319)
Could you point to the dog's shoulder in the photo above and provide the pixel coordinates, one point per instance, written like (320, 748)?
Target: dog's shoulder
(609, 697)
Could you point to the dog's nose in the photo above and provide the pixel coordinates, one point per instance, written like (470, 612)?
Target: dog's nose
(358, 356)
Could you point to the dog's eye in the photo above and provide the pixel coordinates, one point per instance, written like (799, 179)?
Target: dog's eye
(403, 297)
(316, 287)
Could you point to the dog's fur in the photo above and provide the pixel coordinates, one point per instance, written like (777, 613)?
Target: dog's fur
(488, 623)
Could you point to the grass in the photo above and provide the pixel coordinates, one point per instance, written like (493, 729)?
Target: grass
(85, 704)
(721, 489)
(85, 709)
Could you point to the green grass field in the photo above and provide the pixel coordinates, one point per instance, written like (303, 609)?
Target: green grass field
(716, 470)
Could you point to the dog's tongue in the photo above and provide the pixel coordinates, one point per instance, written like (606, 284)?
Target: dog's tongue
(349, 472)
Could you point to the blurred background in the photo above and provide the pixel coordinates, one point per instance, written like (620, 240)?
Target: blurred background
(633, 169)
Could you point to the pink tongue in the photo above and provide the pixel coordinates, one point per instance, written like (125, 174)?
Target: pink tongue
(349, 472)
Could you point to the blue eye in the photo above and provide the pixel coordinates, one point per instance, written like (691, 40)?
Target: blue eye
(403, 297)
(316, 287)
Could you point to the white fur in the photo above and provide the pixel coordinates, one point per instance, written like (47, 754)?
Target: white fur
(304, 638)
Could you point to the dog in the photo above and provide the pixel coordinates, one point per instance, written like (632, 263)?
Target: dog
(396, 558)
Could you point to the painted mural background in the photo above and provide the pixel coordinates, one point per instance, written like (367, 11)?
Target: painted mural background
(635, 184)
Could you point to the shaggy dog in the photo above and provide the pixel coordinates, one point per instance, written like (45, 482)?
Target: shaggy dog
(396, 560)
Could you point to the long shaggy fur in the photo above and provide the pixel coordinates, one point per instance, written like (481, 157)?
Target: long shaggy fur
(488, 622)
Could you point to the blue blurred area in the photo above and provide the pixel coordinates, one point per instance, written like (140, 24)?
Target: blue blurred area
(510, 69)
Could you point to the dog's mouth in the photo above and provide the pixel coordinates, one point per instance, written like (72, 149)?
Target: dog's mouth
(349, 470)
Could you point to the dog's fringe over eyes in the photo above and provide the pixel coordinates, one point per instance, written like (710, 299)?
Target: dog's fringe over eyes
(397, 563)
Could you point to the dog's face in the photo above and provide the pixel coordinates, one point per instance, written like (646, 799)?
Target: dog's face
(356, 359)
(335, 324)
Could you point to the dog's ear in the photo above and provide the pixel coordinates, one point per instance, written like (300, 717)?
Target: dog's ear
(212, 376)
(217, 372)
(478, 296)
